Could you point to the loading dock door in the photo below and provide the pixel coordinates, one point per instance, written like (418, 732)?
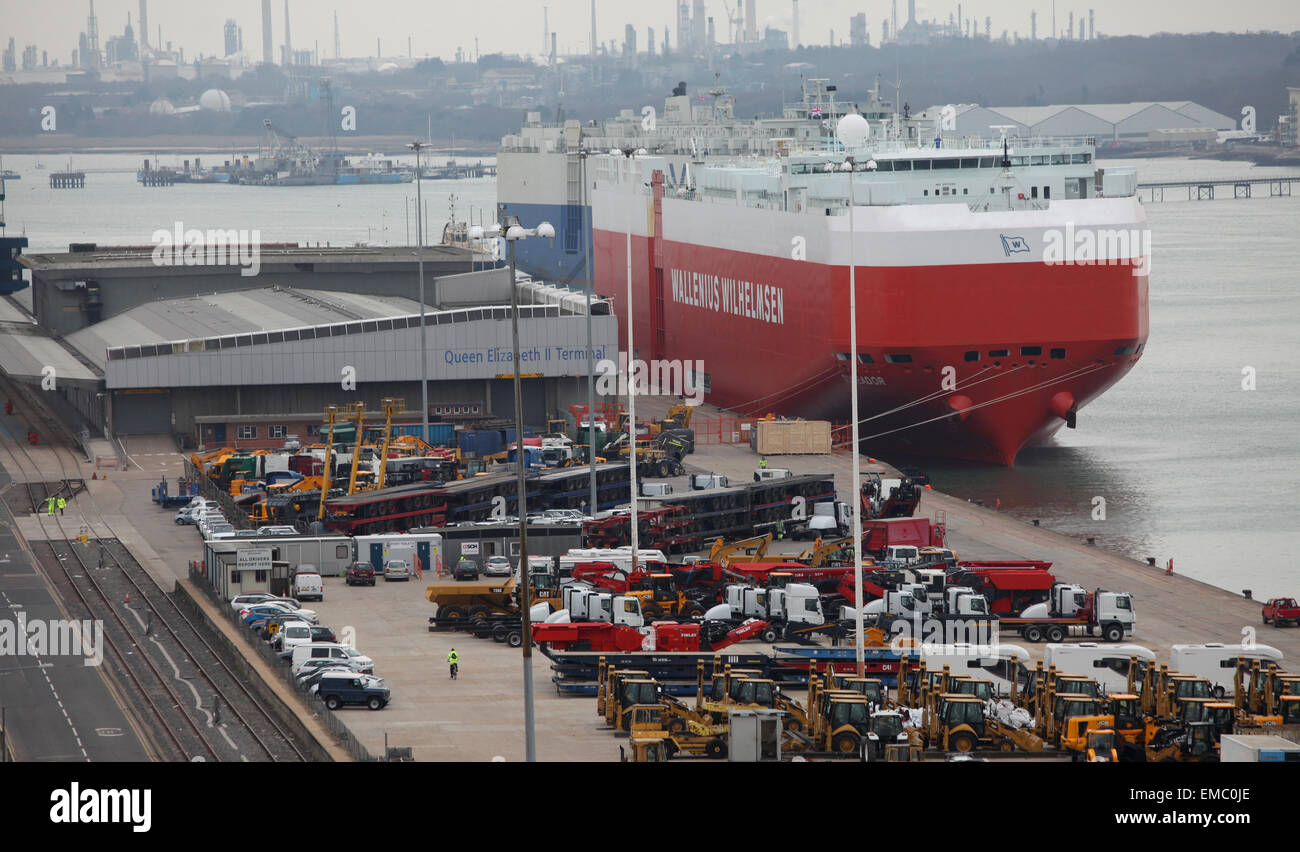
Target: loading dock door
(533, 392)
(142, 412)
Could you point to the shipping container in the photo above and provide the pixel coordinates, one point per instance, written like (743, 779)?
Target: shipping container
(441, 434)
(790, 437)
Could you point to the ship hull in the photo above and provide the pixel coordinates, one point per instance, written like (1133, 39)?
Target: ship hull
(967, 353)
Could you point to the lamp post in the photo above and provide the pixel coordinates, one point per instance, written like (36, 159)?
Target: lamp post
(591, 355)
(417, 146)
(853, 130)
(513, 233)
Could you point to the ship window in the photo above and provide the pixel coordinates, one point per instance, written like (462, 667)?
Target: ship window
(925, 192)
(259, 339)
(898, 359)
(1033, 192)
(972, 356)
(307, 334)
(999, 353)
(970, 162)
(842, 356)
(275, 337)
(988, 162)
(921, 165)
(965, 191)
(1031, 350)
(1038, 160)
(1125, 350)
(1058, 354)
(1047, 192)
(1060, 159)
(951, 163)
(902, 165)
(244, 340)
(884, 165)
(1019, 161)
(369, 326)
(1077, 159)
(864, 358)
(211, 343)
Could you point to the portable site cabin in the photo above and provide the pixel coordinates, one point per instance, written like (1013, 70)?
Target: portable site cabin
(379, 549)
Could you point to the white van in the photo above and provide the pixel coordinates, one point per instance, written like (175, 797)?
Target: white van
(1217, 662)
(308, 585)
(1106, 664)
(330, 651)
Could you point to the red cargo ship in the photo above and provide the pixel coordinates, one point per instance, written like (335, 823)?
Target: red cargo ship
(1000, 289)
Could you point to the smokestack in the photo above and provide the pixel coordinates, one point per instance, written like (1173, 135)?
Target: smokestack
(795, 28)
(593, 29)
(144, 27)
(751, 21)
(267, 56)
(554, 50)
(1092, 30)
(288, 42)
(546, 29)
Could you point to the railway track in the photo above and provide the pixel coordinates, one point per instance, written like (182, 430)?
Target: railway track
(153, 642)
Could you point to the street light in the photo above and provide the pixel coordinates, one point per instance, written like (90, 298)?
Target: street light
(588, 251)
(417, 146)
(513, 233)
(853, 130)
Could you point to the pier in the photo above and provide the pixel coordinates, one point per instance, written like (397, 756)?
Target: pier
(67, 180)
(1203, 190)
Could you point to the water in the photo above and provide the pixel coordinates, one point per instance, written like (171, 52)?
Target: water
(114, 209)
(1191, 466)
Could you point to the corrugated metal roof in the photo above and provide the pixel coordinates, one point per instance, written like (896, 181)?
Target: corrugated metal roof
(25, 353)
(235, 312)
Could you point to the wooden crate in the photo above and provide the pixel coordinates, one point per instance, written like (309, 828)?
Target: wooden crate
(791, 437)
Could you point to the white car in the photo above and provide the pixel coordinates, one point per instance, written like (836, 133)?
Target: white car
(240, 602)
(220, 531)
(397, 569)
(276, 530)
(303, 655)
(498, 566)
(290, 635)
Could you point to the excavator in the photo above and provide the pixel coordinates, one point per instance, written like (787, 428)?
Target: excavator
(752, 549)
(657, 591)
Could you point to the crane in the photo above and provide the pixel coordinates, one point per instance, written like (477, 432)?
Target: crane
(359, 412)
(390, 406)
(331, 417)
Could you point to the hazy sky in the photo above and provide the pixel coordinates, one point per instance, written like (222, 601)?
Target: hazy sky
(438, 27)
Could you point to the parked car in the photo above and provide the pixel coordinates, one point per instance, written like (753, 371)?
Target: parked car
(308, 585)
(291, 635)
(466, 569)
(337, 689)
(397, 569)
(498, 566)
(330, 650)
(270, 628)
(216, 532)
(309, 668)
(277, 530)
(360, 574)
(323, 634)
(247, 599)
(186, 515)
(311, 677)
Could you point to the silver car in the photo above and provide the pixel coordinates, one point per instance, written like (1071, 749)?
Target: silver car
(397, 569)
(498, 566)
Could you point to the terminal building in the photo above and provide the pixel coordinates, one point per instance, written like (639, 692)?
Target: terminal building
(212, 356)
